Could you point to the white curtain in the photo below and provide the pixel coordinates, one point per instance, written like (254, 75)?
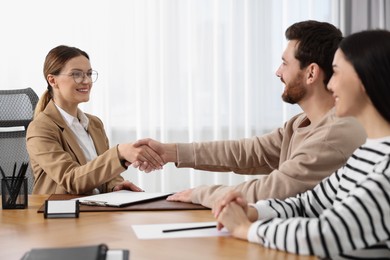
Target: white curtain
(172, 70)
(364, 14)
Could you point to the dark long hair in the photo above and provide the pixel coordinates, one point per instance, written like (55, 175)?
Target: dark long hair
(369, 54)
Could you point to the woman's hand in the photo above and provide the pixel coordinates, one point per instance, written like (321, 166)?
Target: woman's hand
(127, 185)
(237, 198)
(235, 220)
(232, 196)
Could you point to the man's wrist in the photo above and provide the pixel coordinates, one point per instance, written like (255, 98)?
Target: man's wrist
(171, 152)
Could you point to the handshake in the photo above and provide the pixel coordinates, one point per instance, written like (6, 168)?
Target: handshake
(147, 154)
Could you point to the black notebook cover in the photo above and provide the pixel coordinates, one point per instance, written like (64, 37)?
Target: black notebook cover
(96, 252)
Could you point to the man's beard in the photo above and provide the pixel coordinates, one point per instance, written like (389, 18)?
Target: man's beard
(294, 91)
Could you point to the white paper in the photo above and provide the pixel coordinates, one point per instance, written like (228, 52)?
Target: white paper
(155, 231)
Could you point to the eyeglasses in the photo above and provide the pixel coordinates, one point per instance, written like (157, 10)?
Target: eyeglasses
(79, 76)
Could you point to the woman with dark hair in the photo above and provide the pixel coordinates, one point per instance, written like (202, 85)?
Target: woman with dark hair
(69, 150)
(348, 214)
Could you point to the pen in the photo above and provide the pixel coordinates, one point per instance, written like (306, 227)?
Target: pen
(189, 228)
(6, 183)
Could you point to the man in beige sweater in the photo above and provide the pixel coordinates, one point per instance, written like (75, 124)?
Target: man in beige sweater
(292, 158)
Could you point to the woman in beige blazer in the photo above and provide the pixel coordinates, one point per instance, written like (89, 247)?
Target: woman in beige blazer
(69, 150)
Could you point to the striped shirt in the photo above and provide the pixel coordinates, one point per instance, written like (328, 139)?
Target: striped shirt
(346, 216)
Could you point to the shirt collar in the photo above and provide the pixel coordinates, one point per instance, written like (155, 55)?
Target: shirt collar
(69, 119)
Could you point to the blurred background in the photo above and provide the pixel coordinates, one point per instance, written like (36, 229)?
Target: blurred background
(173, 70)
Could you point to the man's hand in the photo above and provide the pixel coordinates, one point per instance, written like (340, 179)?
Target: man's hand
(126, 185)
(183, 196)
(142, 154)
(168, 152)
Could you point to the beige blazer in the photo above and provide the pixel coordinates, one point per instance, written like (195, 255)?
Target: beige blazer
(58, 163)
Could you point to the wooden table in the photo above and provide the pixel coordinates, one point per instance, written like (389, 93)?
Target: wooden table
(22, 230)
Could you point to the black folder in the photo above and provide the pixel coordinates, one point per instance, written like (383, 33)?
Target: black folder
(94, 252)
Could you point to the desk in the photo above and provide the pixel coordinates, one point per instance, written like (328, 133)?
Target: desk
(21, 230)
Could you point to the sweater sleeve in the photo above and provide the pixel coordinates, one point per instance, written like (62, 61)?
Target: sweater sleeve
(301, 172)
(309, 225)
(256, 155)
(309, 159)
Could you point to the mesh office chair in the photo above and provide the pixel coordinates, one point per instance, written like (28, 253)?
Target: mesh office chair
(16, 112)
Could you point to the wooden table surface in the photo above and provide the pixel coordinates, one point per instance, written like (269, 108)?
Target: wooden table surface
(22, 230)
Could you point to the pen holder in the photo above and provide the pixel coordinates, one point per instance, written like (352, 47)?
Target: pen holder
(14, 193)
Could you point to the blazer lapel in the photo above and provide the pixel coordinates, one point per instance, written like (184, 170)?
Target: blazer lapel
(96, 134)
(69, 137)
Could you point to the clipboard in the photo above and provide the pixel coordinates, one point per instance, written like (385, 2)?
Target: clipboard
(160, 204)
(121, 198)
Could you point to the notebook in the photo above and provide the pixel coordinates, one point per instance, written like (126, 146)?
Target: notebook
(93, 252)
(120, 198)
